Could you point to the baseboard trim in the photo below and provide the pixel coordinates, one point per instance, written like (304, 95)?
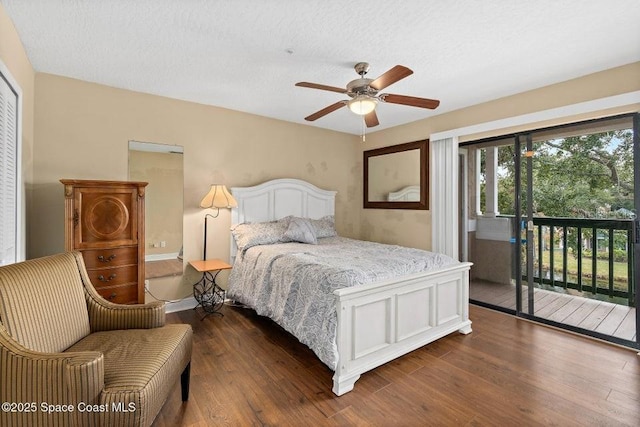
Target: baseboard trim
(161, 257)
(184, 304)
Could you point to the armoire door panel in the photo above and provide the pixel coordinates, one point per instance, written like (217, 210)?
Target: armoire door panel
(106, 218)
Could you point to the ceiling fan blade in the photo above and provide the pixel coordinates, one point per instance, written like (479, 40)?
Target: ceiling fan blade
(410, 100)
(395, 74)
(331, 108)
(371, 119)
(321, 87)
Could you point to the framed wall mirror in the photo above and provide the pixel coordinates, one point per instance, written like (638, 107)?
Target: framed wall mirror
(161, 165)
(397, 177)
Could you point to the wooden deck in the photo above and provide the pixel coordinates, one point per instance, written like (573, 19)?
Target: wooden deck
(599, 316)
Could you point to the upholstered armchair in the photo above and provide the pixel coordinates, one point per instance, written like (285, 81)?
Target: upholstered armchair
(69, 357)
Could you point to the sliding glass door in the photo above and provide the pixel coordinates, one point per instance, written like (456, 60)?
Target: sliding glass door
(554, 234)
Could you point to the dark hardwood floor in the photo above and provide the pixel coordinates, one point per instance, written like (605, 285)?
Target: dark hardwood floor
(246, 371)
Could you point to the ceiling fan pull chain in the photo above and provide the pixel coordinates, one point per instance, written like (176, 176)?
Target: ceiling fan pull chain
(364, 130)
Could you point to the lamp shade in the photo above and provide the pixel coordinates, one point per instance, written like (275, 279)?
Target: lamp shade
(218, 197)
(362, 105)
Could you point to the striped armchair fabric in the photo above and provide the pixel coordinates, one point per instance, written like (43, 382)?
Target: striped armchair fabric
(69, 357)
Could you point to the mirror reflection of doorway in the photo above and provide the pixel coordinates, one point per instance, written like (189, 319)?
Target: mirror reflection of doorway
(160, 165)
(550, 226)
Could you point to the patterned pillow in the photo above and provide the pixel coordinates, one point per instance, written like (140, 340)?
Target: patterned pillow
(259, 233)
(325, 226)
(301, 230)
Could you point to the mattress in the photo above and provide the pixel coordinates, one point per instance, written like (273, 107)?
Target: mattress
(293, 283)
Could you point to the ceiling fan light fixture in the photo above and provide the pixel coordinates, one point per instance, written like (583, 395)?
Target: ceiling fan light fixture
(362, 105)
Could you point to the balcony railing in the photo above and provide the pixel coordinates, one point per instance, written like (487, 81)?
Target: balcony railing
(594, 255)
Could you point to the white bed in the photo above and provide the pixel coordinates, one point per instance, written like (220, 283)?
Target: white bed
(376, 322)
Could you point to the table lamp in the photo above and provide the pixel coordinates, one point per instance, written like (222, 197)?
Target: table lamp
(218, 197)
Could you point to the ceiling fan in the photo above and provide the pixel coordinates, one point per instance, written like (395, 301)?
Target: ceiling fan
(364, 94)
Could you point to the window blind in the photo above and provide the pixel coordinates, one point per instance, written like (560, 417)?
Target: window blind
(8, 173)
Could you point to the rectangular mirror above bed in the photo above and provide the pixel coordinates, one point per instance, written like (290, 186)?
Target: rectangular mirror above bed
(396, 177)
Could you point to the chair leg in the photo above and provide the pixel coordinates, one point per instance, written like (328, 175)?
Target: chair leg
(184, 382)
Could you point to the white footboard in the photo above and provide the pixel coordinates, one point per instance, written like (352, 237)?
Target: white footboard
(380, 322)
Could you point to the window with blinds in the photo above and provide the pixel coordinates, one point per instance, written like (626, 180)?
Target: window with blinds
(8, 173)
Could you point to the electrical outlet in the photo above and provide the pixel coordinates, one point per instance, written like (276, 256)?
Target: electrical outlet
(163, 244)
(146, 286)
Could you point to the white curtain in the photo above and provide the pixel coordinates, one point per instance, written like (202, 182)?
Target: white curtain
(444, 196)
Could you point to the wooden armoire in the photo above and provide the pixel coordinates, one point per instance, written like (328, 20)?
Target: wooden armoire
(105, 221)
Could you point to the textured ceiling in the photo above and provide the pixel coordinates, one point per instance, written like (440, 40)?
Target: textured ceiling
(247, 55)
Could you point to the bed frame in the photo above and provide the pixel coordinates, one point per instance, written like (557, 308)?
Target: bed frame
(377, 322)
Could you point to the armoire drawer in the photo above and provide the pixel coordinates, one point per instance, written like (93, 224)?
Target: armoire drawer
(124, 294)
(113, 276)
(101, 258)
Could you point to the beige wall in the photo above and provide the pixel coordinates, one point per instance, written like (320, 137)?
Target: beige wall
(14, 57)
(82, 131)
(413, 228)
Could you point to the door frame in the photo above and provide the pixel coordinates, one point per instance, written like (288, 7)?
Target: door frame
(636, 233)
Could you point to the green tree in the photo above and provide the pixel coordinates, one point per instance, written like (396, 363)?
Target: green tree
(588, 176)
(585, 176)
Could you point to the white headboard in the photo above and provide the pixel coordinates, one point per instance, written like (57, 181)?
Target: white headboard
(278, 198)
(410, 193)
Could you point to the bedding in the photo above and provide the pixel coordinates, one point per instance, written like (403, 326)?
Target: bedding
(287, 229)
(293, 283)
(324, 227)
(301, 230)
(248, 235)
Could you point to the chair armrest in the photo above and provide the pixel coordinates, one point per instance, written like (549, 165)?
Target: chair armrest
(107, 316)
(35, 380)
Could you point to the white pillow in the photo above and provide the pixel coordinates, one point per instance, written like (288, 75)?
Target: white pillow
(301, 230)
(325, 226)
(259, 233)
